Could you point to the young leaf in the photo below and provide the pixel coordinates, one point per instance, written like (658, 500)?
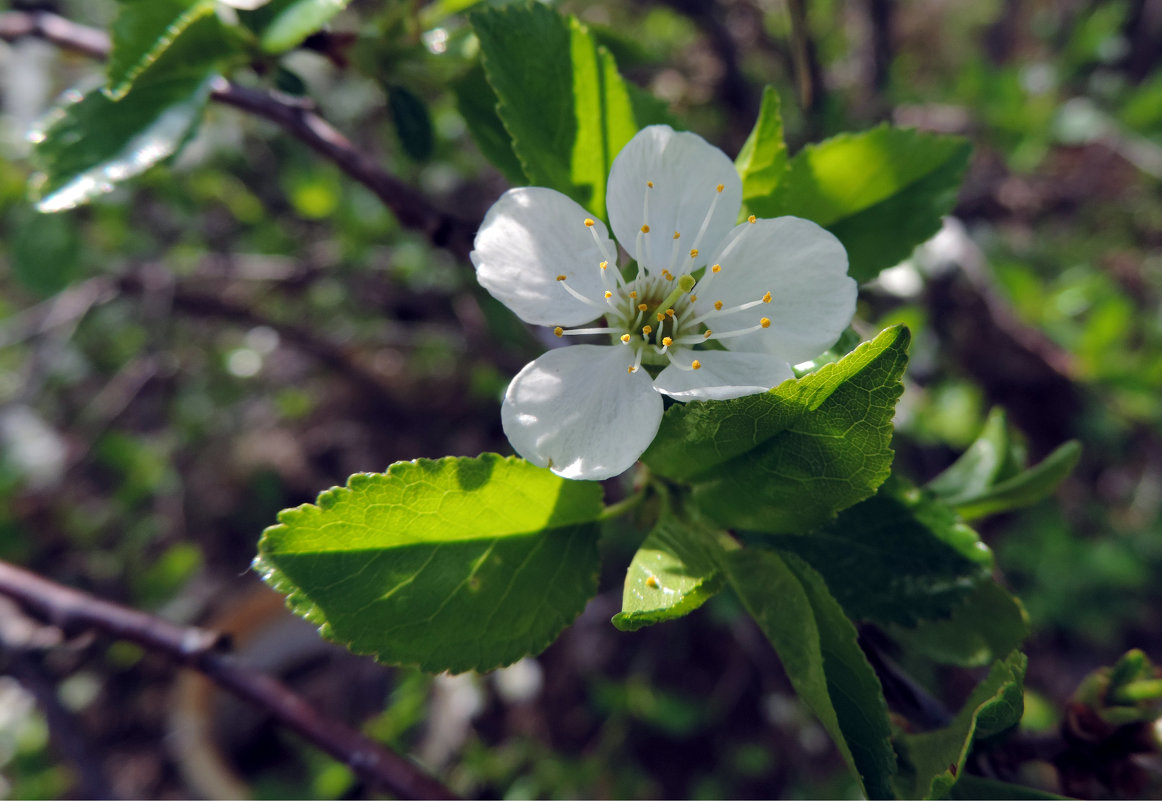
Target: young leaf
(673, 573)
(930, 762)
(762, 162)
(882, 192)
(985, 626)
(786, 461)
(284, 24)
(456, 564)
(1025, 488)
(820, 653)
(89, 143)
(988, 459)
(144, 30)
(566, 109)
(897, 557)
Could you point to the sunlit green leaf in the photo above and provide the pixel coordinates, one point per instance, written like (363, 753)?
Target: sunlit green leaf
(143, 31)
(673, 573)
(284, 24)
(882, 192)
(456, 564)
(820, 652)
(762, 162)
(1025, 488)
(786, 461)
(930, 762)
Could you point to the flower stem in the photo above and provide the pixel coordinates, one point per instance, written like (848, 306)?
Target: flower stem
(621, 507)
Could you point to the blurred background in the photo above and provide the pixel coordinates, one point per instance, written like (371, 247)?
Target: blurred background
(227, 337)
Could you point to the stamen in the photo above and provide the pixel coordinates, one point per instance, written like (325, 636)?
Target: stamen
(578, 295)
(694, 365)
(706, 220)
(645, 229)
(643, 307)
(767, 298)
(625, 339)
(718, 305)
(580, 332)
(559, 331)
(763, 323)
(674, 252)
(751, 219)
(608, 294)
(588, 223)
(694, 253)
(717, 268)
(637, 362)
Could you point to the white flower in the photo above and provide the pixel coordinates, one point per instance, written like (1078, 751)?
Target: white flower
(772, 292)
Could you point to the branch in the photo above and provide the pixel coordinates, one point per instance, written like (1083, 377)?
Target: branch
(297, 118)
(202, 650)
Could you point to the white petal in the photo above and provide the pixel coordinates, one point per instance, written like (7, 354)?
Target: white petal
(685, 170)
(529, 237)
(804, 267)
(723, 375)
(578, 411)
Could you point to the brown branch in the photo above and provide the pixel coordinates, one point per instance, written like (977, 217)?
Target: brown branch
(202, 650)
(297, 118)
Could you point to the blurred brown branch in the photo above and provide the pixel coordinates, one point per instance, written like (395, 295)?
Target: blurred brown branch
(202, 650)
(296, 117)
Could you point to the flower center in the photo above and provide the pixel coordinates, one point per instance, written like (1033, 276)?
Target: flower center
(663, 317)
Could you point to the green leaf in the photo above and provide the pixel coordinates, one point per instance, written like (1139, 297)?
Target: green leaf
(565, 107)
(413, 124)
(762, 162)
(989, 458)
(89, 143)
(477, 105)
(144, 30)
(786, 461)
(898, 557)
(673, 573)
(456, 564)
(45, 250)
(985, 626)
(284, 24)
(820, 652)
(930, 762)
(1025, 488)
(882, 192)
(982, 789)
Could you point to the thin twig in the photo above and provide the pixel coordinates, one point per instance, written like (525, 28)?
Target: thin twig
(297, 118)
(201, 650)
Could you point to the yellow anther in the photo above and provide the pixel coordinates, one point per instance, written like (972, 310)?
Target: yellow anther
(608, 294)
(625, 338)
(650, 184)
(647, 329)
(643, 306)
(645, 229)
(707, 334)
(631, 369)
(669, 276)
(677, 235)
(603, 265)
(669, 312)
(720, 187)
(765, 322)
(588, 223)
(718, 305)
(559, 331)
(697, 365)
(667, 342)
(693, 298)
(717, 268)
(751, 219)
(767, 298)
(694, 253)
(661, 317)
(561, 277)
(633, 294)
(652, 582)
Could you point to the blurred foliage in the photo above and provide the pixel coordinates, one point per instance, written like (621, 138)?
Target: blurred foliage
(169, 380)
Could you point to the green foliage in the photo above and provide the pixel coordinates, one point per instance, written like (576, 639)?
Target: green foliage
(456, 564)
(413, 123)
(898, 557)
(930, 762)
(788, 460)
(283, 24)
(820, 652)
(882, 192)
(45, 253)
(762, 162)
(561, 100)
(145, 29)
(673, 573)
(982, 628)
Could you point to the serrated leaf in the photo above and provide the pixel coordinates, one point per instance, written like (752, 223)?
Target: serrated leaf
(882, 192)
(898, 557)
(986, 625)
(820, 652)
(673, 573)
(786, 461)
(283, 24)
(930, 762)
(143, 31)
(1025, 488)
(561, 99)
(456, 564)
(89, 143)
(762, 162)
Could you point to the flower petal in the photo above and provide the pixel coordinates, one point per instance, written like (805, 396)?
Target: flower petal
(685, 170)
(578, 411)
(724, 375)
(529, 237)
(804, 267)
